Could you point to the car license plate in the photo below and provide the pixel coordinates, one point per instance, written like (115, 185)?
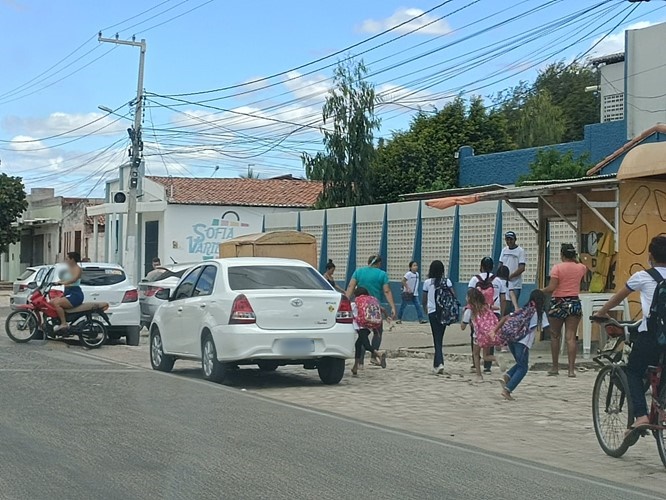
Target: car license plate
(297, 346)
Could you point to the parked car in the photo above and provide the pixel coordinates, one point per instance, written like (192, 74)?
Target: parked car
(168, 280)
(253, 311)
(103, 282)
(31, 276)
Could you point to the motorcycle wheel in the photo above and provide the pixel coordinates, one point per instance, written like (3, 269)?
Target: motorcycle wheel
(21, 326)
(92, 334)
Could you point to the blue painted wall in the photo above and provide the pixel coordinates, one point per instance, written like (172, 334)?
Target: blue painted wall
(601, 139)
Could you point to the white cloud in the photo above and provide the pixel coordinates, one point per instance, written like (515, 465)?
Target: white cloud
(60, 123)
(313, 88)
(25, 143)
(613, 44)
(405, 14)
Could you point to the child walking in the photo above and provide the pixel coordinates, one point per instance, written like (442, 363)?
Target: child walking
(484, 321)
(367, 316)
(520, 349)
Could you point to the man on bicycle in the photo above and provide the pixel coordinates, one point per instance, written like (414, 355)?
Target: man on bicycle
(645, 350)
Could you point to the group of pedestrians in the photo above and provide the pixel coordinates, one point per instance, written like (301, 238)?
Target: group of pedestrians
(491, 310)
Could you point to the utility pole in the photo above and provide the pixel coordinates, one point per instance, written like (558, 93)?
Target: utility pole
(131, 250)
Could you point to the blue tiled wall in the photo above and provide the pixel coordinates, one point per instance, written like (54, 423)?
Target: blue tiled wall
(601, 139)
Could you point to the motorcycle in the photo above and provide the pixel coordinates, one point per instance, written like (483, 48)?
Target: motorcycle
(38, 319)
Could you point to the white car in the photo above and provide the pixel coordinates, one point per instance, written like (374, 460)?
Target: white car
(24, 284)
(254, 311)
(102, 282)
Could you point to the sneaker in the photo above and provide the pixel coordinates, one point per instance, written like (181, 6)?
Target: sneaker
(398, 322)
(486, 371)
(440, 370)
(423, 322)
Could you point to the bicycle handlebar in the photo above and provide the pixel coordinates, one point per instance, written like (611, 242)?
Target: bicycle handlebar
(612, 321)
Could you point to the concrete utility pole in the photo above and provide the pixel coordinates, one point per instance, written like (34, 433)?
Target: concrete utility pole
(131, 261)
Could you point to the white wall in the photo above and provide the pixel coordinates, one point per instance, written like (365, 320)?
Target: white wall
(612, 92)
(192, 233)
(645, 65)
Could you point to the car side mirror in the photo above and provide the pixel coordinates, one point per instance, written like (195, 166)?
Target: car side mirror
(32, 285)
(163, 294)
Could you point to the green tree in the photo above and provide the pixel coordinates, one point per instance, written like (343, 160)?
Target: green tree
(12, 204)
(344, 166)
(540, 123)
(423, 158)
(551, 164)
(566, 85)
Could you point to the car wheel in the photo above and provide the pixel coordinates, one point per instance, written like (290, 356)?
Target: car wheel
(212, 369)
(331, 370)
(159, 360)
(268, 366)
(133, 335)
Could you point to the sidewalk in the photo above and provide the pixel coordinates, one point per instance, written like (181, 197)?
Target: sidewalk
(413, 340)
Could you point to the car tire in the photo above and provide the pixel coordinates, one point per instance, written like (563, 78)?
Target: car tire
(331, 370)
(213, 370)
(268, 365)
(133, 335)
(158, 360)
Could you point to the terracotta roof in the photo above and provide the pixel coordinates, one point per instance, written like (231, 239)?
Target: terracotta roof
(290, 193)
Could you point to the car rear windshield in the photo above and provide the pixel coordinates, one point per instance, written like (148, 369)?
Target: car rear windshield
(275, 277)
(25, 275)
(102, 276)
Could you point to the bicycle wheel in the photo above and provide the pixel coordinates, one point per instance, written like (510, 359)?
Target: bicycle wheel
(661, 421)
(21, 326)
(611, 410)
(92, 334)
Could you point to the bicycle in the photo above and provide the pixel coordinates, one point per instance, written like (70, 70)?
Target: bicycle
(610, 396)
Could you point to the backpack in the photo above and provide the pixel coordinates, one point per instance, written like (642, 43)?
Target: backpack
(517, 326)
(656, 321)
(447, 306)
(369, 312)
(484, 327)
(486, 288)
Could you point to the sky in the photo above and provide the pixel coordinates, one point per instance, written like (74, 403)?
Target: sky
(238, 85)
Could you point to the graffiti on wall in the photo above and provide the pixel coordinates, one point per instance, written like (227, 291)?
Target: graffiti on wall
(598, 254)
(205, 239)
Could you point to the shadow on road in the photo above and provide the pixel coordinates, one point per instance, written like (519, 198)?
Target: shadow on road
(253, 378)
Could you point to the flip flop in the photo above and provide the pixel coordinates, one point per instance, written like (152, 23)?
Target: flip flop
(551, 373)
(383, 360)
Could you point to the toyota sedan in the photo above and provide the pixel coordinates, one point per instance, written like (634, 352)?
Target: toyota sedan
(253, 311)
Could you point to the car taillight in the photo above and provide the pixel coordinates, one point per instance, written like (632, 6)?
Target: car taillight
(152, 291)
(242, 312)
(344, 314)
(131, 296)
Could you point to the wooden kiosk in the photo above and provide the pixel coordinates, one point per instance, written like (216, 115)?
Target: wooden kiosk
(614, 217)
(282, 244)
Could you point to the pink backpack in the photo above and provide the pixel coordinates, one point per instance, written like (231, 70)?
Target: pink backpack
(369, 312)
(484, 327)
(486, 288)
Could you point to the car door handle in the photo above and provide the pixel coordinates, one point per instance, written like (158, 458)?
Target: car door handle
(180, 309)
(202, 306)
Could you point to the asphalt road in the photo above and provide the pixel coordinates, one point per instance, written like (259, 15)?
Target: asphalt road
(76, 427)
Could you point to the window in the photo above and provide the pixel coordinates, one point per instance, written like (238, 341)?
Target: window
(26, 274)
(102, 276)
(206, 282)
(186, 286)
(276, 277)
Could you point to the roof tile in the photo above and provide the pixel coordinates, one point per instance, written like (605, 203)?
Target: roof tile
(240, 192)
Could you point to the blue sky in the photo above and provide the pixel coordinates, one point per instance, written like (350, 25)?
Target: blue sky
(220, 43)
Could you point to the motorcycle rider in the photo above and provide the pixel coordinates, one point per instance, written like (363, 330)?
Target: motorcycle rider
(73, 297)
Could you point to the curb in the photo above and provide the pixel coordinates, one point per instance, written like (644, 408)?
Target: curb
(419, 353)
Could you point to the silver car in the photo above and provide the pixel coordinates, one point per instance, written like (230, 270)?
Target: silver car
(168, 280)
(26, 283)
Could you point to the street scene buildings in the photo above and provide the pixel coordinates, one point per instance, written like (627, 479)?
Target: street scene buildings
(537, 203)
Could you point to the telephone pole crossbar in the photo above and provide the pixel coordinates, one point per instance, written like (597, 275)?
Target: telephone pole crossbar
(131, 262)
